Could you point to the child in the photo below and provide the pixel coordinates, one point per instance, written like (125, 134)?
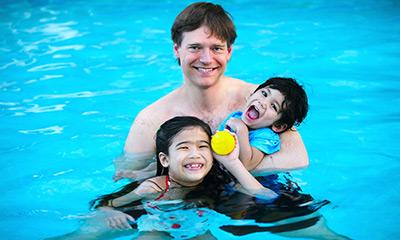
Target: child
(184, 160)
(275, 106)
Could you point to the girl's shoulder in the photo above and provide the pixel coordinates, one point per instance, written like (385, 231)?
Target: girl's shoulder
(152, 185)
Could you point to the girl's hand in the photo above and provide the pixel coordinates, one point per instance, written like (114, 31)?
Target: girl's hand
(117, 219)
(232, 157)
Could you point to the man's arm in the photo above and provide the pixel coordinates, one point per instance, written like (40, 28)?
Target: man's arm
(135, 162)
(292, 155)
(141, 137)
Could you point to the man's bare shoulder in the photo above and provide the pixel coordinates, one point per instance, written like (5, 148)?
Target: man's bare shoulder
(160, 110)
(241, 88)
(163, 104)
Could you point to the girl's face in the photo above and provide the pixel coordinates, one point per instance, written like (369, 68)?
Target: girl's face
(190, 157)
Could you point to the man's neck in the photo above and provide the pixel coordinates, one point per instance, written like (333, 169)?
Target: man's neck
(205, 100)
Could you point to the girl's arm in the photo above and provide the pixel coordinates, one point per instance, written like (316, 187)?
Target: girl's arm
(232, 163)
(250, 156)
(121, 220)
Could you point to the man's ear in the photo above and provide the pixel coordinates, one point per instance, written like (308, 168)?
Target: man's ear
(176, 50)
(230, 52)
(176, 53)
(278, 128)
(164, 160)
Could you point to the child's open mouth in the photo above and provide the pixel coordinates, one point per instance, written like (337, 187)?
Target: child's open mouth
(194, 166)
(252, 113)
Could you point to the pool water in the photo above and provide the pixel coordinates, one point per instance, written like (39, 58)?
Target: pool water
(74, 74)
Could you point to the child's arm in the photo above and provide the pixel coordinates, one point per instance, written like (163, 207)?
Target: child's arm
(250, 156)
(146, 188)
(232, 163)
(121, 220)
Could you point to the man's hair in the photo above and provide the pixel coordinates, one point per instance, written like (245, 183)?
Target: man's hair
(295, 104)
(204, 14)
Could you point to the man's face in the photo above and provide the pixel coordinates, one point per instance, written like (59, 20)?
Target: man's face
(203, 57)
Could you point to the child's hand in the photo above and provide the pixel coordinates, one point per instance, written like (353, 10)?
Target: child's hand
(117, 219)
(236, 125)
(232, 157)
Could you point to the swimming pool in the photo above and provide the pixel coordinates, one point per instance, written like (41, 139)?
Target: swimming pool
(73, 76)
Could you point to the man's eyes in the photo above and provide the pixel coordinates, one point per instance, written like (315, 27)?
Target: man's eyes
(194, 48)
(214, 49)
(218, 49)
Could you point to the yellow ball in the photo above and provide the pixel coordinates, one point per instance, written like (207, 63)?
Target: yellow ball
(222, 142)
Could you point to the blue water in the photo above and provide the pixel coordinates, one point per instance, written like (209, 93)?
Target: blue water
(74, 75)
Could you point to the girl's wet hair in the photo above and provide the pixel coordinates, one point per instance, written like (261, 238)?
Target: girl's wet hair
(169, 129)
(164, 138)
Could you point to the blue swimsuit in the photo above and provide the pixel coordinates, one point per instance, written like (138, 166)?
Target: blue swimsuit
(264, 139)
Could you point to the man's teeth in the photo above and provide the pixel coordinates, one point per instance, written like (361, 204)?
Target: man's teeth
(194, 165)
(205, 70)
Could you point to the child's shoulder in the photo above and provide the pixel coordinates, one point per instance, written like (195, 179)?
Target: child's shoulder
(152, 185)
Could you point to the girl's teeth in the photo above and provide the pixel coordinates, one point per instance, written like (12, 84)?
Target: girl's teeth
(194, 166)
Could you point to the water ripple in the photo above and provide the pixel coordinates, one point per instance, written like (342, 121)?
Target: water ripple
(45, 131)
(18, 63)
(84, 94)
(75, 47)
(37, 109)
(51, 66)
(45, 77)
(59, 31)
(347, 83)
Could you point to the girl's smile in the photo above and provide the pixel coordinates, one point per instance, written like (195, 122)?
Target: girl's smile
(189, 158)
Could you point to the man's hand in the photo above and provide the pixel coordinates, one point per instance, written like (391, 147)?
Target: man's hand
(147, 172)
(134, 166)
(117, 219)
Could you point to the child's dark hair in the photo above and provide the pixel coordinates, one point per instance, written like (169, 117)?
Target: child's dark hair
(164, 137)
(295, 105)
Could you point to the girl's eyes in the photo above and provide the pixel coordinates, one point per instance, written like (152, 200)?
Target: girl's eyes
(183, 148)
(205, 146)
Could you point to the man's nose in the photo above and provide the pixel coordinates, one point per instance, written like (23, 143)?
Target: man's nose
(205, 56)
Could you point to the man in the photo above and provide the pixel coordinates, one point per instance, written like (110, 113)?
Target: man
(203, 35)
